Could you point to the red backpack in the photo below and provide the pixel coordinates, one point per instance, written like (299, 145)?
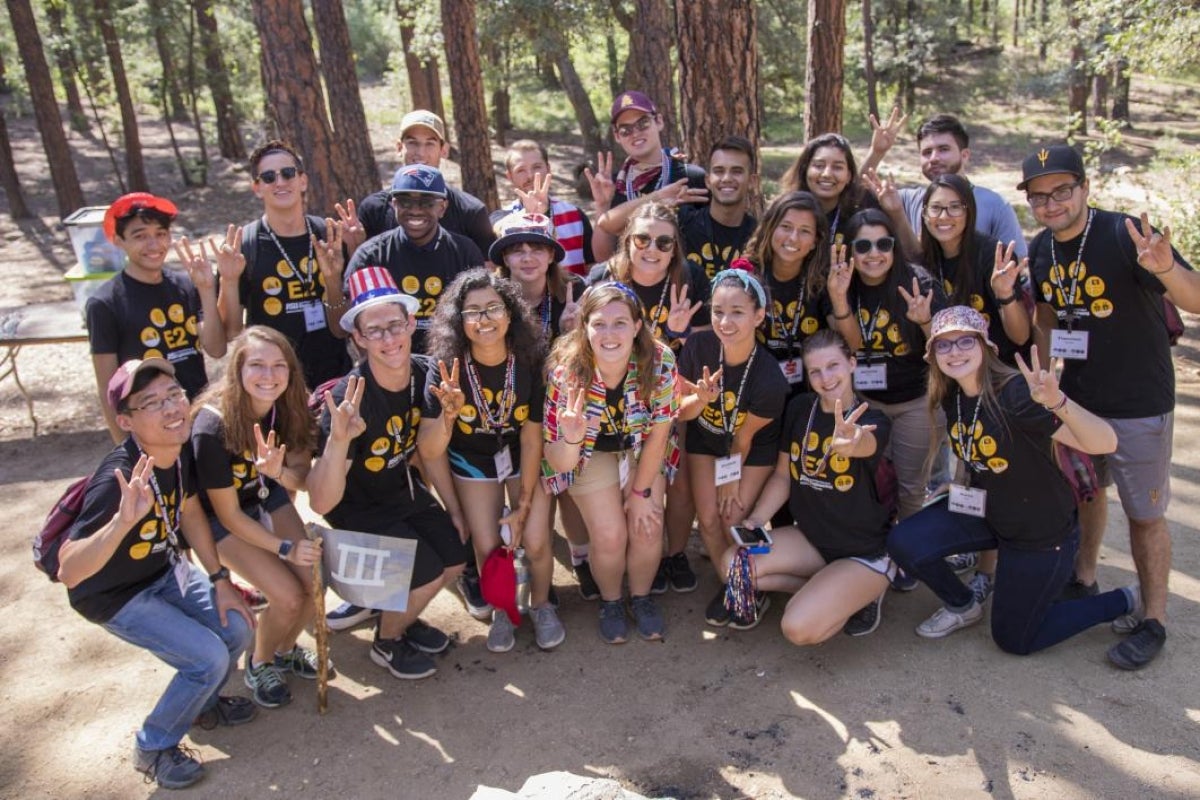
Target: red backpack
(57, 526)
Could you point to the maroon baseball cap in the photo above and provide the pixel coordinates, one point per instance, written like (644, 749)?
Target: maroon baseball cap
(120, 385)
(632, 101)
(498, 583)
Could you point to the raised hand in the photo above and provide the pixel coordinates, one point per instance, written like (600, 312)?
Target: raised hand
(679, 318)
(330, 260)
(449, 393)
(679, 193)
(840, 272)
(569, 319)
(1043, 383)
(601, 182)
(573, 420)
(353, 233)
(269, 456)
(537, 199)
(345, 423)
(883, 137)
(1006, 271)
(885, 189)
(708, 388)
(847, 433)
(1154, 252)
(230, 261)
(920, 306)
(136, 497)
(198, 268)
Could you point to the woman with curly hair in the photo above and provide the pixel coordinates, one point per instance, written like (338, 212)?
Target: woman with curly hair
(483, 413)
(253, 439)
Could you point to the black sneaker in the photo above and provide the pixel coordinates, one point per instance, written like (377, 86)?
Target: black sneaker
(426, 638)
(904, 582)
(269, 687)
(228, 711)
(472, 595)
(661, 581)
(1077, 589)
(866, 619)
(347, 615)
(762, 601)
(588, 589)
(679, 572)
(1141, 647)
(171, 768)
(400, 658)
(716, 614)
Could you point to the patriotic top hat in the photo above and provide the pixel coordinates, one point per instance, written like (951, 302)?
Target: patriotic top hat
(373, 286)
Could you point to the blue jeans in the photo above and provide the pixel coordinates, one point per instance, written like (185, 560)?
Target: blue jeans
(184, 631)
(1026, 613)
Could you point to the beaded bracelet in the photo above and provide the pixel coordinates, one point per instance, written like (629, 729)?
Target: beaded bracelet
(1059, 405)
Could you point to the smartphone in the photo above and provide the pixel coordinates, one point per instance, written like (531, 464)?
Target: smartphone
(751, 537)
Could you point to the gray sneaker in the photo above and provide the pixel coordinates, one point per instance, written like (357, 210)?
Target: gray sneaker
(171, 768)
(500, 638)
(945, 622)
(613, 627)
(547, 628)
(648, 617)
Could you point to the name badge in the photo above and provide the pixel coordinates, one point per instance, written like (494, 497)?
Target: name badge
(728, 470)
(870, 376)
(968, 500)
(314, 316)
(623, 469)
(793, 369)
(1068, 344)
(504, 465)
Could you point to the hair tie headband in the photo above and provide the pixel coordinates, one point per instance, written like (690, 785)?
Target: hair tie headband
(625, 290)
(747, 280)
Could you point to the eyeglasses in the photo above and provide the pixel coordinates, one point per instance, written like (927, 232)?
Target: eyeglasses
(394, 329)
(883, 244)
(491, 311)
(176, 395)
(933, 211)
(964, 344)
(268, 176)
(641, 124)
(1060, 195)
(664, 243)
(409, 203)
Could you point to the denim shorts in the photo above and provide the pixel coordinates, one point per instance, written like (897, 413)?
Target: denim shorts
(260, 512)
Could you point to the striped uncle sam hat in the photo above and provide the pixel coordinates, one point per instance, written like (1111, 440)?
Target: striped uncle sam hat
(373, 286)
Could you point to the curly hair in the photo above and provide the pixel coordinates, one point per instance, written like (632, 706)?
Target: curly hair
(967, 282)
(815, 268)
(573, 352)
(620, 265)
(294, 425)
(447, 338)
(796, 176)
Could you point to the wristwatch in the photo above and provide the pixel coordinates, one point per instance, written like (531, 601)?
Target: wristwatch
(285, 548)
(221, 574)
(641, 492)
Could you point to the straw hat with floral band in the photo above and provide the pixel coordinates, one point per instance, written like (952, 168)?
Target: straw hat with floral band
(522, 226)
(957, 319)
(129, 204)
(373, 286)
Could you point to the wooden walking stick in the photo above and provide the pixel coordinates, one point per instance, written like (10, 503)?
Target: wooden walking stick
(320, 630)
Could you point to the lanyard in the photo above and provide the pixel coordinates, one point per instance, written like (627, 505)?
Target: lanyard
(812, 416)
(868, 334)
(263, 491)
(728, 425)
(1069, 299)
(544, 308)
(789, 334)
(965, 438)
(305, 278)
(398, 434)
(170, 520)
(506, 399)
(663, 176)
(662, 300)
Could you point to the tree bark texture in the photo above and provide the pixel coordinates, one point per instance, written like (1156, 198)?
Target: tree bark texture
(357, 169)
(45, 108)
(135, 166)
(1120, 91)
(649, 68)
(868, 23)
(1077, 85)
(581, 103)
(466, 91)
(229, 138)
(161, 18)
(17, 208)
(824, 67)
(64, 59)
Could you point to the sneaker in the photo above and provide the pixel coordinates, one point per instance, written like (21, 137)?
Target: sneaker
(227, 711)
(501, 638)
(762, 601)
(347, 615)
(661, 581)
(716, 614)
(613, 628)
(866, 619)
(472, 595)
(400, 658)
(980, 586)
(1141, 647)
(588, 589)
(171, 768)
(679, 572)
(1126, 623)
(945, 622)
(904, 582)
(269, 687)
(547, 628)
(963, 562)
(426, 638)
(301, 662)
(1077, 589)
(648, 617)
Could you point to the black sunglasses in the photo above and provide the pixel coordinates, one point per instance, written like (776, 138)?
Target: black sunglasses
(883, 244)
(268, 176)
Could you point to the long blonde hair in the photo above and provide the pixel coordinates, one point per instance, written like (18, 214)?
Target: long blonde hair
(573, 352)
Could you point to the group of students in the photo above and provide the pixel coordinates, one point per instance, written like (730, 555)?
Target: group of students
(859, 371)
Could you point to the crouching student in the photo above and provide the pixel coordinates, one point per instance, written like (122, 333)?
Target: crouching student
(366, 477)
(124, 569)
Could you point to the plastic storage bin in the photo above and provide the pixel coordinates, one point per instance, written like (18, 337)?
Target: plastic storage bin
(85, 284)
(93, 251)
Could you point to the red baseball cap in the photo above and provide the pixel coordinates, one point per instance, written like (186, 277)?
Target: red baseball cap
(127, 204)
(498, 582)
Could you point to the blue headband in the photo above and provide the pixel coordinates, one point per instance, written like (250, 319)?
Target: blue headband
(746, 279)
(632, 295)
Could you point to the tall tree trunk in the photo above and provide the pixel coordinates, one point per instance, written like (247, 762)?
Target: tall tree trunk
(1044, 29)
(1077, 86)
(589, 125)
(17, 208)
(134, 165)
(466, 91)
(424, 79)
(824, 67)
(1120, 91)
(201, 167)
(1016, 21)
(229, 138)
(89, 45)
(45, 107)
(649, 66)
(161, 20)
(357, 169)
(1100, 95)
(868, 23)
(295, 99)
(64, 59)
(718, 37)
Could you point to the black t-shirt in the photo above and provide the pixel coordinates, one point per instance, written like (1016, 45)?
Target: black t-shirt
(610, 436)
(422, 271)
(284, 290)
(1029, 504)
(145, 552)
(217, 468)
(834, 500)
(377, 484)
(709, 244)
(150, 320)
(656, 299)
(551, 325)
(465, 215)
(838, 221)
(1128, 372)
(471, 433)
(678, 170)
(793, 314)
(763, 395)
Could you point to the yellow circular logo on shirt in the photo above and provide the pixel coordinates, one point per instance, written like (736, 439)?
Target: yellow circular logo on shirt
(284, 269)
(149, 530)
(843, 483)
(1101, 308)
(272, 285)
(433, 285)
(468, 413)
(153, 352)
(987, 446)
(380, 446)
(140, 550)
(997, 465)
(809, 325)
(190, 326)
(521, 413)
(272, 306)
(374, 464)
(839, 463)
(157, 317)
(902, 349)
(1094, 286)
(410, 284)
(175, 313)
(150, 337)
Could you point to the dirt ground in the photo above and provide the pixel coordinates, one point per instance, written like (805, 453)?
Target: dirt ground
(706, 714)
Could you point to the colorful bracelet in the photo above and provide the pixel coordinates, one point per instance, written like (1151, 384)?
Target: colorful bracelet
(1059, 405)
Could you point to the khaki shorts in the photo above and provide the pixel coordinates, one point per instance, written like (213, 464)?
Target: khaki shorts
(602, 471)
(1141, 466)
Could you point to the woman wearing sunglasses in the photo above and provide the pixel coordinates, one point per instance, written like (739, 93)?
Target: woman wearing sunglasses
(1013, 496)
(483, 413)
(882, 306)
(826, 168)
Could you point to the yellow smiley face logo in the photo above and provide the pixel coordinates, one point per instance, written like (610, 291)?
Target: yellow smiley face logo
(794, 450)
(1101, 308)
(140, 550)
(468, 413)
(809, 325)
(150, 337)
(843, 483)
(374, 464)
(433, 285)
(380, 446)
(521, 413)
(175, 313)
(153, 352)
(148, 531)
(272, 306)
(1094, 286)
(997, 465)
(190, 326)
(284, 270)
(987, 446)
(272, 285)
(158, 318)
(884, 318)
(839, 463)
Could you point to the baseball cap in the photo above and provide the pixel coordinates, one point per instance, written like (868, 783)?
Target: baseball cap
(1050, 160)
(957, 319)
(126, 204)
(120, 385)
(498, 583)
(373, 286)
(423, 119)
(418, 179)
(521, 226)
(632, 101)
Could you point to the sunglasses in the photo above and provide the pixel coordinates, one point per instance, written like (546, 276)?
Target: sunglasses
(268, 176)
(642, 124)
(884, 244)
(409, 203)
(964, 344)
(664, 243)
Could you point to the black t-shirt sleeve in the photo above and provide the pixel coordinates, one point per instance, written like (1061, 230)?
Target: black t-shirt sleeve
(431, 407)
(373, 213)
(213, 462)
(699, 291)
(104, 335)
(1023, 412)
(767, 387)
(691, 357)
(101, 500)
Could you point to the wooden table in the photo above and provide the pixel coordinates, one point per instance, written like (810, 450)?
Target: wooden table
(38, 323)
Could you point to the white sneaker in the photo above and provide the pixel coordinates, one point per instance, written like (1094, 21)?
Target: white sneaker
(500, 638)
(945, 622)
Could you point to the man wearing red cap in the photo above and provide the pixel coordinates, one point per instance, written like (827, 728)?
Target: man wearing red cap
(148, 312)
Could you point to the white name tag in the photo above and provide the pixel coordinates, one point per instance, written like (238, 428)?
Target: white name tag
(793, 369)
(1068, 344)
(504, 465)
(623, 470)
(728, 470)
(969, 501)
(314, 316)
(870, 376)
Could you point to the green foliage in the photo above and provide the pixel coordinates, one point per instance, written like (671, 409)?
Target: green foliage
(374, 34)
